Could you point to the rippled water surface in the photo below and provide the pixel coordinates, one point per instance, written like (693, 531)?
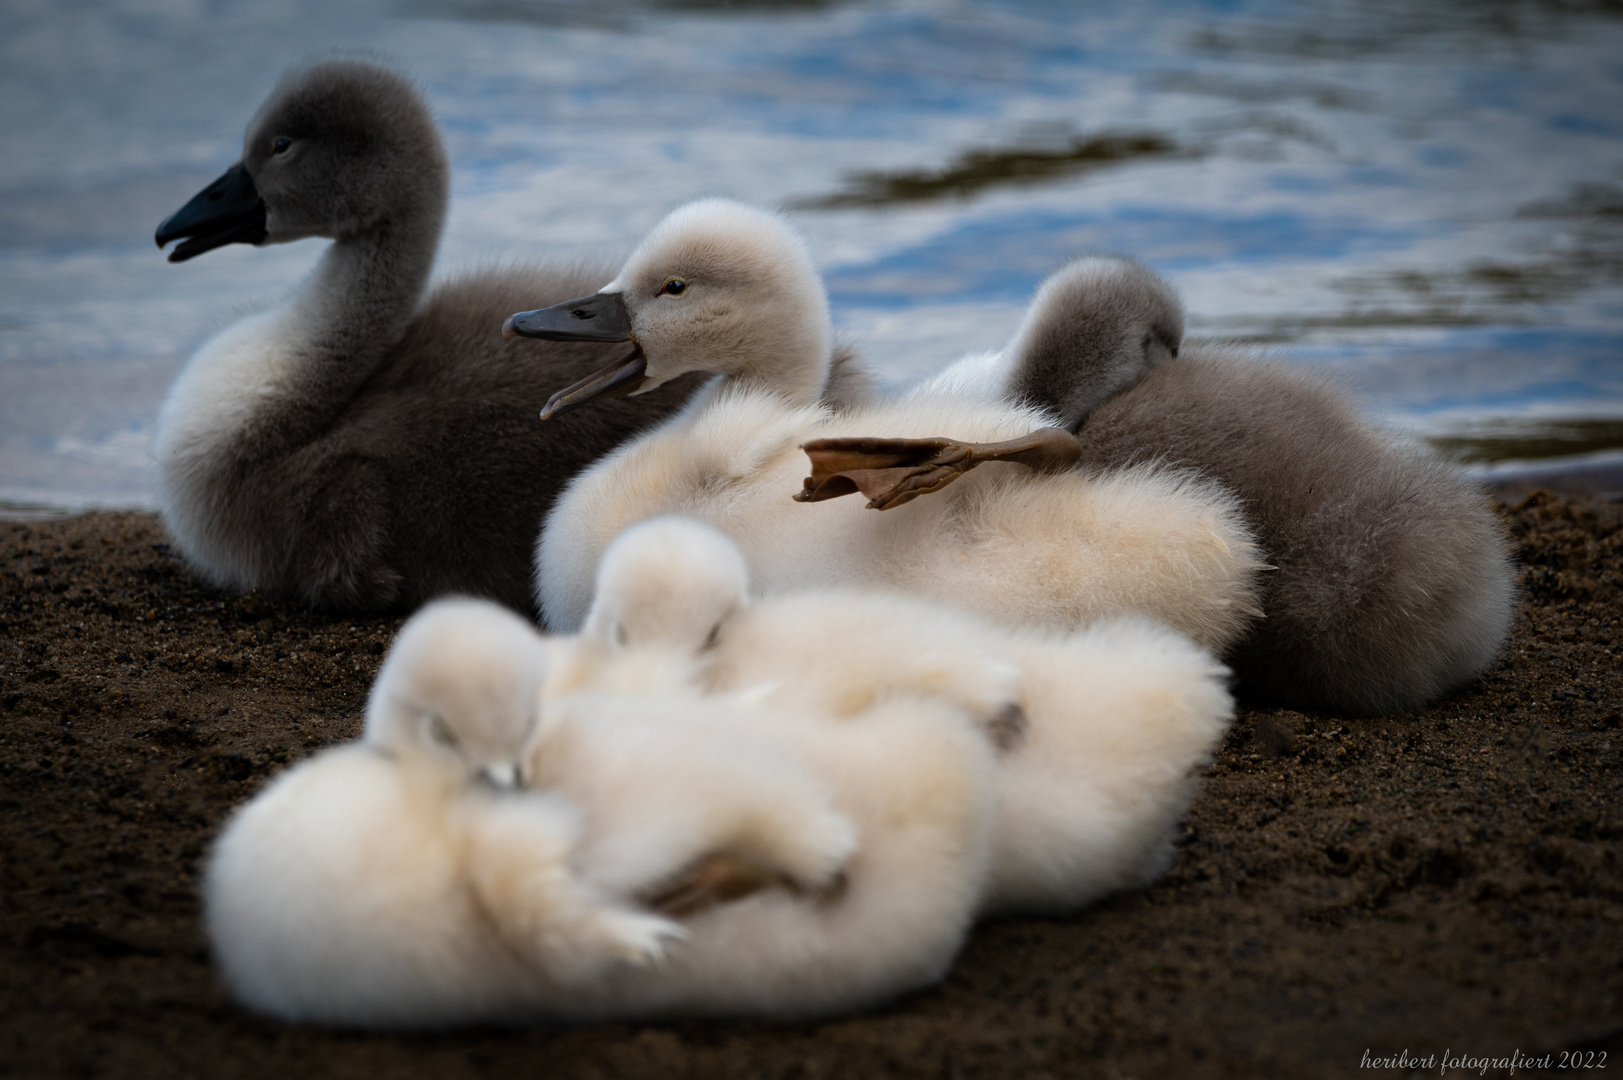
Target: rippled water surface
(1424, 198)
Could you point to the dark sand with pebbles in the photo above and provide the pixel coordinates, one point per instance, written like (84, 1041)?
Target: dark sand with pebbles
(1449, 880)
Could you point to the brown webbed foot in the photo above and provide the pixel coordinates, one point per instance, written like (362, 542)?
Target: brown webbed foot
(720, 879)
(895, 471)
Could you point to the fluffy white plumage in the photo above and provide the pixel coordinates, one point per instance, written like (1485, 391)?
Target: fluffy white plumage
(390, 883)
(361, 889)
(461, 686)
(1053, 550)
(1102, 730)
(849, 917)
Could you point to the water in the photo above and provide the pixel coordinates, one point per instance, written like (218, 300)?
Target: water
(1425, 199)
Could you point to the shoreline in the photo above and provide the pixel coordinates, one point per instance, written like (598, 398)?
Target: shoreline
(1447, 879)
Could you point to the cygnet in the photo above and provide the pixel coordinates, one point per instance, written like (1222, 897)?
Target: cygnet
(365, 444)
(1101, 732)
(393, 882)
(1393, 579)
(665, 855)
(726, 288)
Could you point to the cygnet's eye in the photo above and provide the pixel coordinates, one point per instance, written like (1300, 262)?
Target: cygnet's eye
(673, 287)
(282, 145)
(440, 731)
(710, 642)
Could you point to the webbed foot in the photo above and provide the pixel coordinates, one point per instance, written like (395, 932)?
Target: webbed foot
(896, 471)
(722, 878)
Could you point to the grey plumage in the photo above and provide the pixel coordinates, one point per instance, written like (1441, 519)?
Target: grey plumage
(1394, 581)
(366, 447)
(1094, 329)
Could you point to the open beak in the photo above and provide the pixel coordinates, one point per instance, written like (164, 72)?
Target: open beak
(228, 211)
(622, 377)
(600, 317)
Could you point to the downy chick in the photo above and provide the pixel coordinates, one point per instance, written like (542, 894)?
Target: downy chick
(372, 442)
(392, 882)
(694, 805)
(725, 288)
(1393, 580)
(1100, 733)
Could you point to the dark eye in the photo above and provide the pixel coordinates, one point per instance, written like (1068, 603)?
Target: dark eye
(281, 146)
(674, 286)
(440, 731)
(710, 642)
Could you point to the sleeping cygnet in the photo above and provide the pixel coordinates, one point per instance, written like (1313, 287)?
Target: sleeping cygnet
(697, 807)
(1099, 732)
(392, 882)
(662, 855)
(1393, 581)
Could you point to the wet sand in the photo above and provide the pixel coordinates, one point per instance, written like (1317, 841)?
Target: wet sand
(1447, 880)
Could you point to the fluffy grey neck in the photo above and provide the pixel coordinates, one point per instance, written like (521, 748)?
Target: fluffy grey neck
(352, 312)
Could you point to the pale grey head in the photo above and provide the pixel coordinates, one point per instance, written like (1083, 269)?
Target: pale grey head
(718, 286)
(1094, 329)
(460, 692)
(668, 583)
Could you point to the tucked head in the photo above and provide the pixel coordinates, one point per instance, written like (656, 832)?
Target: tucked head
(667, 583)
(338, 149)
(1094, 329)
(717, 286)
(460, 691)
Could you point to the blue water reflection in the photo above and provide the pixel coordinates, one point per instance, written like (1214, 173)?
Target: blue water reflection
(1425, 199)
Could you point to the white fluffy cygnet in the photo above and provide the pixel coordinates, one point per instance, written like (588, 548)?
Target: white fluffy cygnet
(357, 890)
(666, 855)
(461, 686)
(393, 883)
(1101, 731)
(729, 289)
(700, 807)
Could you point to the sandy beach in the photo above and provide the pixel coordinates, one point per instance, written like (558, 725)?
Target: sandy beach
(1346, 891)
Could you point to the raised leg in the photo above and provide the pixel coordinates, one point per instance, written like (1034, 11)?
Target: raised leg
(896, 471)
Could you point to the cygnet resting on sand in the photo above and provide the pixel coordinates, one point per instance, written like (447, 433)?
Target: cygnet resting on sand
(390, 883)
(1394, 581)
(663, 855)
(729, 289)
(365, 445)
(1100, 732)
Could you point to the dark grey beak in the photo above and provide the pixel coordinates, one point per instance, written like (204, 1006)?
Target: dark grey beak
(228, 211)
(622, 377)
(599, 317)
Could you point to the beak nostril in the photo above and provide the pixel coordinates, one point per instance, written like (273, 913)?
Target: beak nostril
(582, 313)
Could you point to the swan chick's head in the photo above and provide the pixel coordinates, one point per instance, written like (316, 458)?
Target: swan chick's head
(1095, 328)
(718, 286)
(460, 692)
(667, 583)
(337, 150)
